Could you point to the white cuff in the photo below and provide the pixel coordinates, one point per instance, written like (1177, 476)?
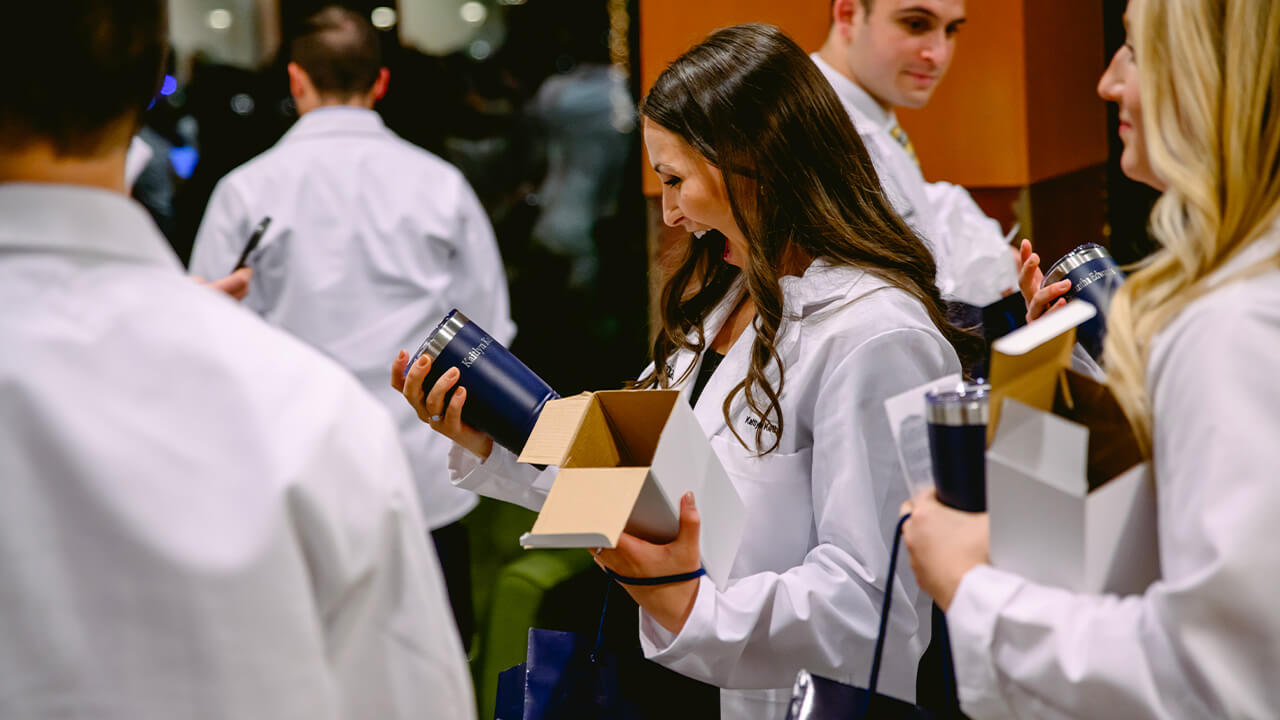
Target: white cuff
(679, 651)
(499, 476)
(971, 622)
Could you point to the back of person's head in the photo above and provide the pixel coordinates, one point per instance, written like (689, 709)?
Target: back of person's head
(1209, 81)
(340, 52)
(799, 182)
(78, 82)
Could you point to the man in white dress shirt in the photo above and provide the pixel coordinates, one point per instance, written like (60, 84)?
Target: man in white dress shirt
(200, 517)
(372, 241)
(882, 54)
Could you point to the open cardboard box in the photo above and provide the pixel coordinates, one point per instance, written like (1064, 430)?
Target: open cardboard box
(626, 458)
(1071, 504)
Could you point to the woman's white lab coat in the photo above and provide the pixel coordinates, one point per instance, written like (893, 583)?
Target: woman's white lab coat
(1204, 640)
(807, 584)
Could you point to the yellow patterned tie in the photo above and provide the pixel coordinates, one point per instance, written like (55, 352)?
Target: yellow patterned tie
(901, 136)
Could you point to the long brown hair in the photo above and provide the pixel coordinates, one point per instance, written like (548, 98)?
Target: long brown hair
(751, 102)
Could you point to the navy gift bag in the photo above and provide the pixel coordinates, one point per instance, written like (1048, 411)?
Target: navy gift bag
(565, 675)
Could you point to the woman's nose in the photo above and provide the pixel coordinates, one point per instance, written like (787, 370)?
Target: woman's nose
(1108, 82)
(671, 214)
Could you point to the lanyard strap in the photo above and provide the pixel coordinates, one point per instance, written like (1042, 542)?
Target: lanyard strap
(884, 608)
(660, 580)
(626, 580)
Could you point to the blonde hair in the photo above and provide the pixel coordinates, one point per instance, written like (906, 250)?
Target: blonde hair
(1209, 74)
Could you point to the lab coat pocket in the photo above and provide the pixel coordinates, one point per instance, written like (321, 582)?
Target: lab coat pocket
(777, 495)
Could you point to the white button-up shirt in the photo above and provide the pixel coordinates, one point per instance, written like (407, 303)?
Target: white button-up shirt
(807, 583)
(1204, 640)
(974, 262)
(200, 517)
(372, 240)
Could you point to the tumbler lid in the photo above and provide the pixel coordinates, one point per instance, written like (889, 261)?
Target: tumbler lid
(962, 404)
(1086, 253)
(443, 334)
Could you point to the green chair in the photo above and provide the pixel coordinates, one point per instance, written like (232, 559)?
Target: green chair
(508, 586)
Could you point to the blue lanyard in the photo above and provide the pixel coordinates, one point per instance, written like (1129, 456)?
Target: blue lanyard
(627, 580)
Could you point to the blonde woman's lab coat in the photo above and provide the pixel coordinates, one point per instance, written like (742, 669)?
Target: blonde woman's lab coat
(806, 586)
(1204, 640)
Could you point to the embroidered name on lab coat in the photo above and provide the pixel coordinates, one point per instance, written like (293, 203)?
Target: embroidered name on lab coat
(754, 422)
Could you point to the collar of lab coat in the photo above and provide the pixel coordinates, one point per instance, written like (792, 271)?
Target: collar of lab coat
(79, 220)
(336, 120)
(821, 286)
(852, 95)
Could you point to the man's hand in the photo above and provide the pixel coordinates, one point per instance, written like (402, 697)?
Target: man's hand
(1039, 300)
(236, 284)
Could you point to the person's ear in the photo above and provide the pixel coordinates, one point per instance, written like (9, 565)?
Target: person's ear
(299, 82)
(843, 15)
(379, 89)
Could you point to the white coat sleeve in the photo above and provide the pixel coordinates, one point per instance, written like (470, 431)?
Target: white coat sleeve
(1202, 642)
(223, 232)
(500, 476)
(389, 631)
(823, 614)
(976, 264)
(483, 271)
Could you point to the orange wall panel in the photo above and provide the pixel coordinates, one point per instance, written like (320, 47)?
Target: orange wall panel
(1017, 106)
(1065, 57)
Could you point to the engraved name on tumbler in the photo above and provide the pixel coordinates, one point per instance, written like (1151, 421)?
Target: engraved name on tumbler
(504, 397)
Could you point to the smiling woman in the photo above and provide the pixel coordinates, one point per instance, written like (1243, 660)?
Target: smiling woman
(1190, 355)
(803, 303)
(694, 196)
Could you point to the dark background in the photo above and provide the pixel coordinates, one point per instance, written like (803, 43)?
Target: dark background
(474, 114)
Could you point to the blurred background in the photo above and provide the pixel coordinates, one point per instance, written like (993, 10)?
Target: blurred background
(534, 101)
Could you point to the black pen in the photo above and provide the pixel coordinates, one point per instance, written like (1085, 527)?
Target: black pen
(258, 232)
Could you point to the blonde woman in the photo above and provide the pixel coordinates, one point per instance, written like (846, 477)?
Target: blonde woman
(1192, 356)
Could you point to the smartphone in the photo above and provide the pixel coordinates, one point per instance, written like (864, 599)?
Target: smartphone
(254, 238)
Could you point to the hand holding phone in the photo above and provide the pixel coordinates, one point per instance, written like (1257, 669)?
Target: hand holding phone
(254, 238)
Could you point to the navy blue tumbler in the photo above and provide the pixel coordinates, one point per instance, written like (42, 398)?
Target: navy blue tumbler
(957, 419)
(504, 397)
(1094, 277)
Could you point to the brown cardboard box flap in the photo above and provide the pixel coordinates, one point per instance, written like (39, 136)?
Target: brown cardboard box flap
(1112, 446)
(586, 502)
(1027, 363)
(555, 435)
(637, 419)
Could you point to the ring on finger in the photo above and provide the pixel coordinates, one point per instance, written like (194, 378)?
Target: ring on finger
(435, 418)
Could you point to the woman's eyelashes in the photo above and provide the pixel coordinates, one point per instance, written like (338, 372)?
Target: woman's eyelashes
(671, 181)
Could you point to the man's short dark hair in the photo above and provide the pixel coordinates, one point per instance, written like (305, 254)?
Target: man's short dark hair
(73, 80)
(339, 50)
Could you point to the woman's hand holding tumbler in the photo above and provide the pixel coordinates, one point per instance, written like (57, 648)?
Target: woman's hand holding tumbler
(431, 407)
